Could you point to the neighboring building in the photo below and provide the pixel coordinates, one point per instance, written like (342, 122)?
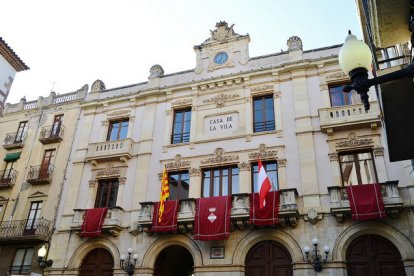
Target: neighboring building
(37, 138)
(10, 63)
(208, 127)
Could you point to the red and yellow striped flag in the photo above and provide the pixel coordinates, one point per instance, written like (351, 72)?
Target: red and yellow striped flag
(165, 193)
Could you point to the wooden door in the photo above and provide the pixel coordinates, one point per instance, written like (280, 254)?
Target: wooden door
(174, 261)
(268, 258)
(98, 262)
(373, 255)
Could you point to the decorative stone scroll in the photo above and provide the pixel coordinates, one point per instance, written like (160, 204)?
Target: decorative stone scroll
(220, 158)
(108, 172)
(221, 99)
(266, 87)
(379, 151)
(177, 163)
(263, 153)
(244, 166)
(186, 101)
(353, 141)
(195, 172)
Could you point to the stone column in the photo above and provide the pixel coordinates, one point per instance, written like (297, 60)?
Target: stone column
(120, 195)
(380, 164)
(195, 183)
(245, 179)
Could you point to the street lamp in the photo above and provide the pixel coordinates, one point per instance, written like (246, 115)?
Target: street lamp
(355, 60)
(128, 263)
(41, 258)
(315, 259)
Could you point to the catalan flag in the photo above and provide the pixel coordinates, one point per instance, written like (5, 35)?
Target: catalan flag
(165, 193)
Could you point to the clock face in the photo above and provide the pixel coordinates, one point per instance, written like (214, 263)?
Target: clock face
(221, 58)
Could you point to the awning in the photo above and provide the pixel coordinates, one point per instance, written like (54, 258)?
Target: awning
(10, 157)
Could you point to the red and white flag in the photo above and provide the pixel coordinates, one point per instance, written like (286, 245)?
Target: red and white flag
(264, 185)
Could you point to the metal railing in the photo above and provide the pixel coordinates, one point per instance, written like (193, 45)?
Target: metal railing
(52, 133)
(264, 126)
(178, 138)
(7, 178)
(15, 139)
(22, 228)
(40, 174)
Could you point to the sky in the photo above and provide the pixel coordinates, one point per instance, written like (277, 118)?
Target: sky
(68, 44)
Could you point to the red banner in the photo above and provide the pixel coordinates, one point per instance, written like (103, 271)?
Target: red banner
(269, 214)
(169, 217)
(93, 222)
(366, 201)
(212, 219)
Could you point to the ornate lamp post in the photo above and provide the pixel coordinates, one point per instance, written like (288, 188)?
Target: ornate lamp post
(41, 258)
(128, 263)
(313, 257)
(355, 60)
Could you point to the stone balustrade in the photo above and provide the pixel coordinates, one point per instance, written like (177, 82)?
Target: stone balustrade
(112, 223)
(110, 150)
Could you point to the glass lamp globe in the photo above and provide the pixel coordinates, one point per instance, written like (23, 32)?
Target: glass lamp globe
(42, 252)
(326, 249)
(306, 249)
(315, 241)
(129, 250)
(354, 54)
(135, 257)
(123, 257)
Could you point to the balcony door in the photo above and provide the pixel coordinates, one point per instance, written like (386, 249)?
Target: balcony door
(21, 131)
(57, 124)
(47, 161)
(34, 215)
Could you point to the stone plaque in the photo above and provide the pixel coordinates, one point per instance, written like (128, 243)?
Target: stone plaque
(222, 124)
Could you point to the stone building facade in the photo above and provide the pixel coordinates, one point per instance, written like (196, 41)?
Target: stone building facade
(208, 127)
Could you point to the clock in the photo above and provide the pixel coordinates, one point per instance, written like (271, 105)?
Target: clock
(221, 58)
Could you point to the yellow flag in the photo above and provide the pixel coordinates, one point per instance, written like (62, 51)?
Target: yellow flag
(165, 193)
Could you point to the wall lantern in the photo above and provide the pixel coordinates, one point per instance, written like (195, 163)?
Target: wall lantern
(313, 257)
(355, 60)
(128, 263)
(43, 263)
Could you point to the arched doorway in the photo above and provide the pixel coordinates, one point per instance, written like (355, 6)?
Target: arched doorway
(373, 255)
(174, 260)
(268, 258)
(98, 262)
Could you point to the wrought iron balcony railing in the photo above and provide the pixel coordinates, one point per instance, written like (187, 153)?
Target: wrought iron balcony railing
(7, 178)
(390, 195)
(40, 174)
(27, 229)
(240, 211)
(14, 140)
(178, 138)
(52, 134)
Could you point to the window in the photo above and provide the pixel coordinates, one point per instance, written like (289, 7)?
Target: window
(34, 215)
(47, 161)
(357, 168)
(7, 174)
(118, 130)
(57, 125)
(181, 126)
(220, 181)
(263, 113)
(271, 170)
(107, 193)
(179, 185)
(22, 261)
(21, 132)
(340, 98)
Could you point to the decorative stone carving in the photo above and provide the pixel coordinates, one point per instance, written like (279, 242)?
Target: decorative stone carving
(244, 166)
(294, 43)
(333, 156)
(379, 151)
(178, 163)
(221, 99)
(222, 32)
(220, 157)
(277, 94)
(312, 216)
(187, 101)
(122, 180)
(263, 153)
(119, 113)
(281, 163)
(266, 87)
(108, 171)
(92, 183)
(195, 172)
(323, 86)
(97, 86)
(337, 75)
(156, 71)
(353, 141)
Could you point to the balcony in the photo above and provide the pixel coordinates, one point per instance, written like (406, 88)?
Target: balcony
(14, 140)
(390, 196)
(110, 151)
(24, 230)
(51, 134)
(288, 212)
(7, 178)
(40, 174)
(112, 223)
(348, 116)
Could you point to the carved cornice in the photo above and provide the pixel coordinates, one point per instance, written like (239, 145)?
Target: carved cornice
(219, 158)
(244, 166)
(108, 172)
(178, 163)
(354, 141)
(266, 87)
(263, 153)
(220, 99)
(186, 101)
(195, 172)
(337, 75)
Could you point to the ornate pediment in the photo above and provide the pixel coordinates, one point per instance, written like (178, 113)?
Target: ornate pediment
(220, 99)
(263, 153)
(178, 163)
(108, 172)
(354, 141)
(219, 158)
(37, 194)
